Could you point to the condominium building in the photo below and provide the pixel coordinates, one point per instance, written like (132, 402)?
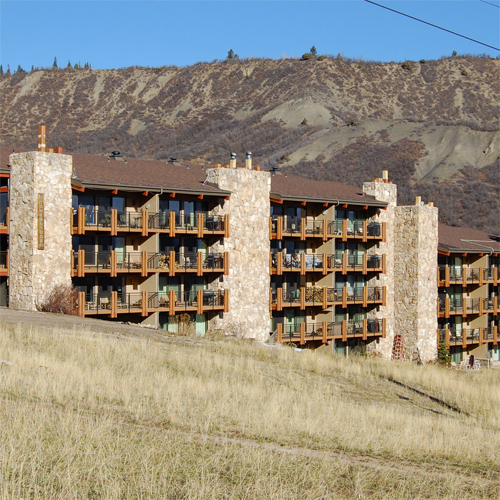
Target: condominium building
(186, 247)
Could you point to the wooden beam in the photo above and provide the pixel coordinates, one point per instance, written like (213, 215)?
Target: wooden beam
(78, 188)
(145, 193)
(200, 197)
(172, 195)
(274, 200)
(345, 206)
(115, 191)
(442, 252)
(304, 203)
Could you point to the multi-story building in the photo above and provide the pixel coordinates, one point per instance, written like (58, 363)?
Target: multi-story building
(183, 246)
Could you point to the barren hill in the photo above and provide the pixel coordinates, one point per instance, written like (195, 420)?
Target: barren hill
(434, 124)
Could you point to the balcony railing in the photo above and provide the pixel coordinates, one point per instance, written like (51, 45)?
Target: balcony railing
(460, 275)
(464, 306)
(468, 336)
(326, 296)
(144, 303)
(199, 223)
(4, 221)
(324, 331)
(301, 262)
(4, 263)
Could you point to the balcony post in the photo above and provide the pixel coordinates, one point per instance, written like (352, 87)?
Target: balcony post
(344, 296)
(71, 220)
(481, 276)
(344, 263)
(302, 334)
(365, 230)
(495, 275)
(271, 262)
(303, 263)
(81, 304)
(114, 300)
(447, 338)
(226, 263)
(365, 329)
(226, 300)
(200, 225)
(271, 227)
(325, 264)
(171, 263)
(480, 336)
(199, 301)
(199, 265)
(447, 307)
(464, 338)
(365, 263)
(302, 297)
(114, 221)
(324, 331)
(481, 307)
(365, 296)
(226, 226)
(145, 220)
(344, 330)
(495, 304)
(325, 230)
(344, 230)
(384, 231)
(464, 307)
(81, 263)
(144, 263)
(464, 277)
(447, 276)
(144, 311)
(280, 333)
(302, 229)
(279, 228)
(279, 299)
(279, 263)
(81, 220)
(495, 335)
(325, 305)
(171, 302)
(113, 264)
(270, 298)
(384, 295)
(171, 224)
(384, 264)
(384, 323)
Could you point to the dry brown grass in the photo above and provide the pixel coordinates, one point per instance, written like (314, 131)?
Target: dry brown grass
(88, 416)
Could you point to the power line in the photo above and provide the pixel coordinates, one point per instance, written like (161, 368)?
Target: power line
(489, 3)
(433, 25)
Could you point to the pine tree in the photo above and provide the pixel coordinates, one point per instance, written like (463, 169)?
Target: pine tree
(1, 70)
(8, 70)
(77, 65)
(69, 65)
(313, 50)
(19, 69)
(54, 66)
(232, 55)
(32, 68)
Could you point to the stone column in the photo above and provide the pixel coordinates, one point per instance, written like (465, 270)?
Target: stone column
(40, 236)
(415, 285)
(248, 248)
(385, 191)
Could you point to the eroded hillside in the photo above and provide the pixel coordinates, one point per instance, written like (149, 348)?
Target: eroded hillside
(322, 119)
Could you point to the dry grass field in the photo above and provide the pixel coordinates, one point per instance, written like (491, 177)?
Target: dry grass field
(103, 416)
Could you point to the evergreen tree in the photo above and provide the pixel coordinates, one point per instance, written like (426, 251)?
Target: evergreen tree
(77, 65)
(232, 55)
(54, 66)
(69, 65)
(86, 66)
(313, 50)
(19, 69)
(8, 70)
(32, 68)
(1, 70)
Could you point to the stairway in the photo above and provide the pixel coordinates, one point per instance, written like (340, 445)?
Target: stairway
(397, 348)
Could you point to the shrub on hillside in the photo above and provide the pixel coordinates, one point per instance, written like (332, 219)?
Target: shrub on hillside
(62, 299)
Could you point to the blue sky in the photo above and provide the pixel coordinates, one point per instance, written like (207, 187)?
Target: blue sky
(117, 34)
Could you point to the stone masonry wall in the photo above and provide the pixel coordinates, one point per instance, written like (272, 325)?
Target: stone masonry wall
(415, 287)
(248, 247)
(387, 192)
(33, 272)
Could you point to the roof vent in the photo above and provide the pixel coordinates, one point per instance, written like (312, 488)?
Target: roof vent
(116, 155)
(173, 159)
(275, 170)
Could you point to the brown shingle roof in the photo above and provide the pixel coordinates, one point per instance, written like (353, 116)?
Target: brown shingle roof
(466, 239)
(293, 186)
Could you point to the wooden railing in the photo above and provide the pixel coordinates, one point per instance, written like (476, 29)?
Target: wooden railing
(4, 263)
(4, 223)
(468, 336)
(450, 307)
(461, 275)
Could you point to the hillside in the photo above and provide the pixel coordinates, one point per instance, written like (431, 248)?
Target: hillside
(434, 125)
(124, 412)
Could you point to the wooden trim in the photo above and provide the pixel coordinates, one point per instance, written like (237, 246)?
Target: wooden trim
(172, 195)
(274, 200)
(365, 296)
(344, 263)
(280, 333)
(115, 191)
(365, 230)
(325, 229)
(325, 304)
(495, 275)
(199, 301)
(171, 263)
(384, 232)
(270, 226)
(144, 263)
(481, 306)
(201, 197)
(464, 307)
(226, 226)
(344, 330)
(447, 307)
(495, 335)
(81, 304)
(325, 264)
(365, 263)
(302, 334)
(464, 338)
(384, 295)
(226, 263)
(302, 297)
(114, 221)
(81, 220)
(171, 224)
(481, 276)
(145, 193)
(464, 277)
(171, 302)
(279, 263)
(112, 273)
(303, 203)
(4, 189)
(144, 303)
(145, 219)
(200, 226)
(80, 189)
(279, 299)
(324, 331)
(81, 263)
(344, 296)
(384, 328)
(270, 298)
(303, 263)
(495, 305)
(384, 263)
(302, 229)
(481, 336)
(226, 300)
(344, 230)
(447, 276)
(199, 266)
(279, 228)
(365, 329)
(442, 252)
(114, 300)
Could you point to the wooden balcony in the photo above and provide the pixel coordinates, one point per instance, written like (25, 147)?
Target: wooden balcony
(111, 222)
(325, 297)
(4, 223)
(468, 336)
(144, 303)
(323, 332)
(144, 263)
(285, 227)
(460, 275)
(303, 263)
(466, 306)
(4, 263)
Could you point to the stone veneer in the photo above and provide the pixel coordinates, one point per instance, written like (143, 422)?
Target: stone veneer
(248, 248)
(33, 272)
(388, 192)
(415, 286)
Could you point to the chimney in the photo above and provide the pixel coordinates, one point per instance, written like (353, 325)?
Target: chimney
(232, 161)
(385, 175)
(41, 138)
(248, 161)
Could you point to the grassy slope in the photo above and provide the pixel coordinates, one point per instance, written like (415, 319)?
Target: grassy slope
(92, 416)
